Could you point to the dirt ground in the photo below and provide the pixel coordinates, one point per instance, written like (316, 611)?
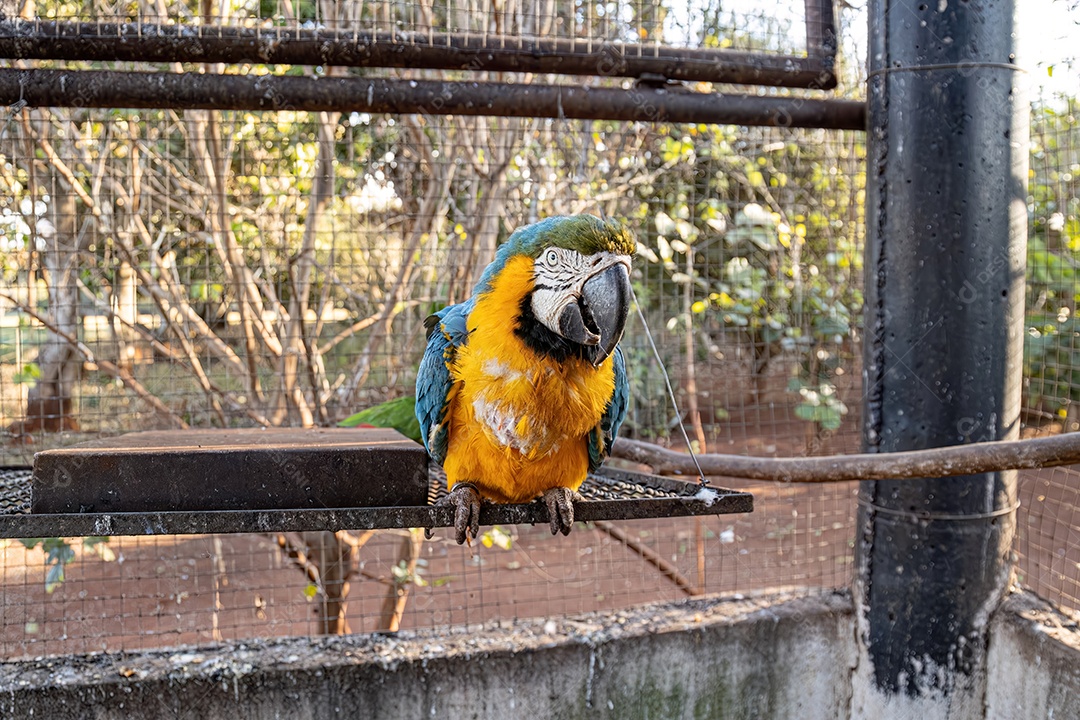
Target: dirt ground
(165, 591)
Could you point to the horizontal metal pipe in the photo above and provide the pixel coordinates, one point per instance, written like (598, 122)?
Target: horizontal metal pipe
(147, 42)
(179, 91)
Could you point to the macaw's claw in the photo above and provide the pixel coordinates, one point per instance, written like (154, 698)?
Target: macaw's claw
(465, 499)
(560, 504)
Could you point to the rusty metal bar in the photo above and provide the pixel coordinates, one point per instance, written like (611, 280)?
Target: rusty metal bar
(261, 521)
(611, 494)
(148, 42)
(114, 89)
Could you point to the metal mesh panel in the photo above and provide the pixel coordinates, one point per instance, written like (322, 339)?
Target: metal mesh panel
(187, 309)
(773, 25)
(234, 268)
(419, 205)
(1048, 522)
(160, 591)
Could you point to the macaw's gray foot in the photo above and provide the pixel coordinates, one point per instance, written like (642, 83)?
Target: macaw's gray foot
(465, 499)
(560, 504)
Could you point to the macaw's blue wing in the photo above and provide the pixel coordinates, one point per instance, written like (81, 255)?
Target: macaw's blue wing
(446, 332)
(602, 437)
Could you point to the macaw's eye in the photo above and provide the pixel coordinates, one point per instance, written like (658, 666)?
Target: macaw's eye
(551, 258)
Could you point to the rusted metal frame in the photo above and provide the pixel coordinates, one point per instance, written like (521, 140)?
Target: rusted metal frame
(149, 42)
(821, 41)
(113, 89)
(272, 521)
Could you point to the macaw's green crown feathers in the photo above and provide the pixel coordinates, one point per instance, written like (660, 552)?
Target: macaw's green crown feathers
(587, 234)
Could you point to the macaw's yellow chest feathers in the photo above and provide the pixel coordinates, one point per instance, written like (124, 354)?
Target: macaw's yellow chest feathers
(521, 416)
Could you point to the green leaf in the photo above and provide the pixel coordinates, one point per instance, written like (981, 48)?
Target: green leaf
(54, 578)
(99, 544)
(398, 414)
(831, 419)
(28, 375)
(497, 537)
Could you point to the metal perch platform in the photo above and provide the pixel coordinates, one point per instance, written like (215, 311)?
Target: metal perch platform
(280, 480)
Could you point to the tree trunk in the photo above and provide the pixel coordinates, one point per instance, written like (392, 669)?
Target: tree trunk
(49, 402)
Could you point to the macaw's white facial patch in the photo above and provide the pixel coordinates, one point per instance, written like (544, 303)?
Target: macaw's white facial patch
(558, 277)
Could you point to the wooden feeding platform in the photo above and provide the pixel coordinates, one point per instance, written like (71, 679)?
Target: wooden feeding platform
(288, 480)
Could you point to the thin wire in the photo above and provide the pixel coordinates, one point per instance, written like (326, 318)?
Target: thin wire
(670, 390)
(919, 516)
(945, 66)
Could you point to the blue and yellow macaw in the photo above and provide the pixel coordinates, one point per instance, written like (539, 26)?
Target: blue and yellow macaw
(522, 388)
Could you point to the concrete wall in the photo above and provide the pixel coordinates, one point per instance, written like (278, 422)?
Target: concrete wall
(767, 657)
(1034, 662)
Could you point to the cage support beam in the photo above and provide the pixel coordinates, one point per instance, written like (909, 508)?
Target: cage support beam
(611, 494)
(179, 91)
(947, 172)
(310, 519)
(821, 32)
(156, 43)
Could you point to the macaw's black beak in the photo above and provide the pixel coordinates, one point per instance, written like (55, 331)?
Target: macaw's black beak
(598, 318)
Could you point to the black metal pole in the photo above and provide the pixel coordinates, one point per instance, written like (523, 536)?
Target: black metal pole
(947, 171)
(149, 42)
(113, 89)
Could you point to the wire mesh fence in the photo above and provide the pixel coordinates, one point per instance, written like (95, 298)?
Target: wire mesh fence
(260, 305)
(132, 593)
(773, 26)
(379, 259)
(1048, 522)
(174, 269)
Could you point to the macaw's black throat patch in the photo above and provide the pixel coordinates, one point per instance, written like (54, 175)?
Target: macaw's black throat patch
(542, 341)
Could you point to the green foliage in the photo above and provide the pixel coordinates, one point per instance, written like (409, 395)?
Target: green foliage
(782, 280)
(1052, 361)
(819, 403)
(496, 537)
(403, 576)
(785, 305)
(59, 552)
(1052, 340)
(28, 375)
(398, 414)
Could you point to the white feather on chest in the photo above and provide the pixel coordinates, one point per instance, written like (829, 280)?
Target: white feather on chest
(536, 437)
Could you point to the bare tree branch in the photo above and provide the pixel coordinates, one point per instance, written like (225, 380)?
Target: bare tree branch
(104, 365)
(949, 461)
(438, 188)
(325, 559)
(650, 556)
(193, 364)
(393, 609)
